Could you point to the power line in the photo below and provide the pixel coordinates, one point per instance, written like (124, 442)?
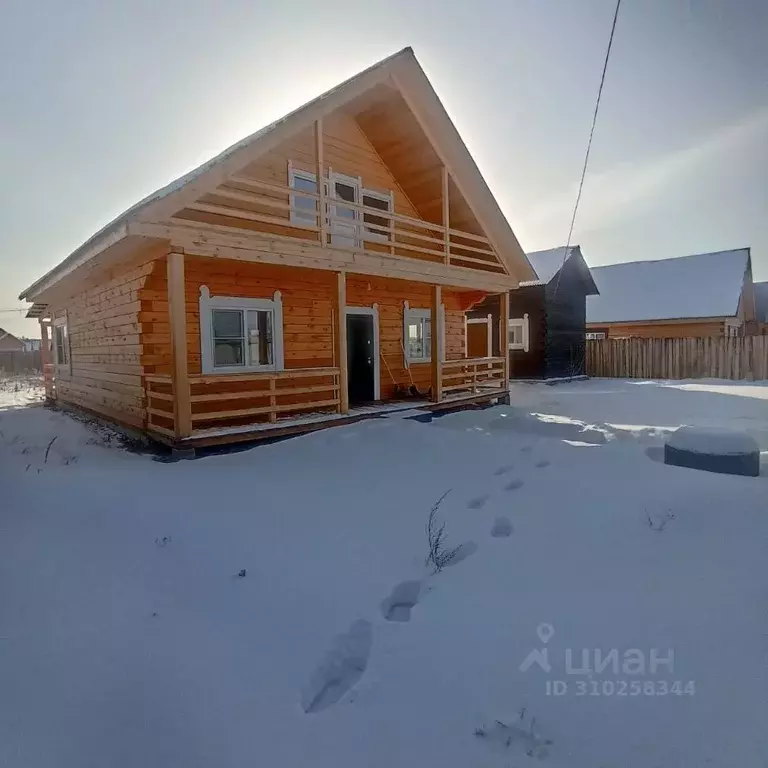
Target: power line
(589, 144)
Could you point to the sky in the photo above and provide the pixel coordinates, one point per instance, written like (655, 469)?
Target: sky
(102, 103)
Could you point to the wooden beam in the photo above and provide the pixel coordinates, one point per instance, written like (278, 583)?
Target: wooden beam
(436, 345)
(219, 241)
(182, 409)
(45, 359)
(447, 217)
(340, 341)
(504, 333)
(320, 175)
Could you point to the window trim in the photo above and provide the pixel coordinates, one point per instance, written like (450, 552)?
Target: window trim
(209, 303)
(420, 313)
(295, 219)
(522, 322)
(61, 322)
(375, 236)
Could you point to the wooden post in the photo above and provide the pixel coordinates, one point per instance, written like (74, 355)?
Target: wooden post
(340, 346)
(319, 162)
(446, 218)
(436, 345)
(45, 359)
(182, 407)
(504, 334)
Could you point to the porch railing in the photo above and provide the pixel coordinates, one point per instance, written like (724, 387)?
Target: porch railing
(241, 399)
(473, 375)
(362, 228)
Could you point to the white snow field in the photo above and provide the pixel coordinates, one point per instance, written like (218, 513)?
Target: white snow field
(272, 607)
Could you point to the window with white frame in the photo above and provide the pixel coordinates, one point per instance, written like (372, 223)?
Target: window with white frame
(595, 335)
(518, 333)
(239, 335)
(373, 225)
(417, 334)
(303, 181)
(61, 342)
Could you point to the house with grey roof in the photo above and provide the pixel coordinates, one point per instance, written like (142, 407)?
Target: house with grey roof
(706, 294)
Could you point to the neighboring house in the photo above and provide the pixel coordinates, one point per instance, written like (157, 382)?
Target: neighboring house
(546, 318)
(761, 308)
(9, 343)
(246, 297)
(709, 294)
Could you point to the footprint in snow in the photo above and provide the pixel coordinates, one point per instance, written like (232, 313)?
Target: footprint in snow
(513, 485)
(526, 449)
(397, 607)
(503, 470)
(341, 667)
(542, 463)
(502, 528)
(479, 502)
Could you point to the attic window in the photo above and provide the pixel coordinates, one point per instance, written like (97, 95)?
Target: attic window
(373, 224)
(303, 209)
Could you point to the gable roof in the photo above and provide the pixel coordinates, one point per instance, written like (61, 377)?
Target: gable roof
(761, 302)
(698, 286)
(401, 69)
(548, 263)
(9, 341)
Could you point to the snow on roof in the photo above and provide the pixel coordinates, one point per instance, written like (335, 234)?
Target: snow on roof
(703, 285)
(761, 302)
(548, 263)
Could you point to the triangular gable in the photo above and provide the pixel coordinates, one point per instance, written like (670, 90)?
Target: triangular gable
(547, 264)
(404, 71)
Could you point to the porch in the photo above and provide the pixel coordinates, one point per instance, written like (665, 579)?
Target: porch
(238, 408)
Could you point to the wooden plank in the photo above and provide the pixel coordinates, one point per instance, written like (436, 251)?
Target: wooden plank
(295, 373)
(320, 176)
(436, 344)
(446, 216)
(178, 320)
(504, 334)
(218, 415)
(340, 338)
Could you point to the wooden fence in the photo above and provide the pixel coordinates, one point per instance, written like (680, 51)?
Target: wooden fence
(737, 357)
(20, 362)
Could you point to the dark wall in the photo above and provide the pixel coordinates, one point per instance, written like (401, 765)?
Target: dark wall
(528, 300)
(566, 324)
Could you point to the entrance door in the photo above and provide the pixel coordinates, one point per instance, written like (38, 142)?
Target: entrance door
(344, 223)
(361, 358)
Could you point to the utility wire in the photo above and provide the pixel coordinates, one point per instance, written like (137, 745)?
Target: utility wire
(589, 145)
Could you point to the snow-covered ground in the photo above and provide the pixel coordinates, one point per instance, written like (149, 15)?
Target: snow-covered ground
(273, 607)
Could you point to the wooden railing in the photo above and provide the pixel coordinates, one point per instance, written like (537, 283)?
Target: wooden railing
(473, 375)
(273, 205)
(240, 399)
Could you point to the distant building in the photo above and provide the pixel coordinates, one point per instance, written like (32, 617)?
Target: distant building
(9, 343)
(708, 294)
(30, 345)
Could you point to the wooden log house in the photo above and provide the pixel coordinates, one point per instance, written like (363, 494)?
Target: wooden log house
(246, 299)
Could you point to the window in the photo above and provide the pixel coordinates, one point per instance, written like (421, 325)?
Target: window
(61, 342)
(239, 335)
(344, 227)
(595, 335)
(518, 333)
(381, 202)
(304, 182)
(418, 335)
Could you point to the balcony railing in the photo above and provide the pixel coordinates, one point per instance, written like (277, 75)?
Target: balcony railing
(362, 228)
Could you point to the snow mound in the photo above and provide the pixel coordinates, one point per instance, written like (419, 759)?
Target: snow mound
(714, 450)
